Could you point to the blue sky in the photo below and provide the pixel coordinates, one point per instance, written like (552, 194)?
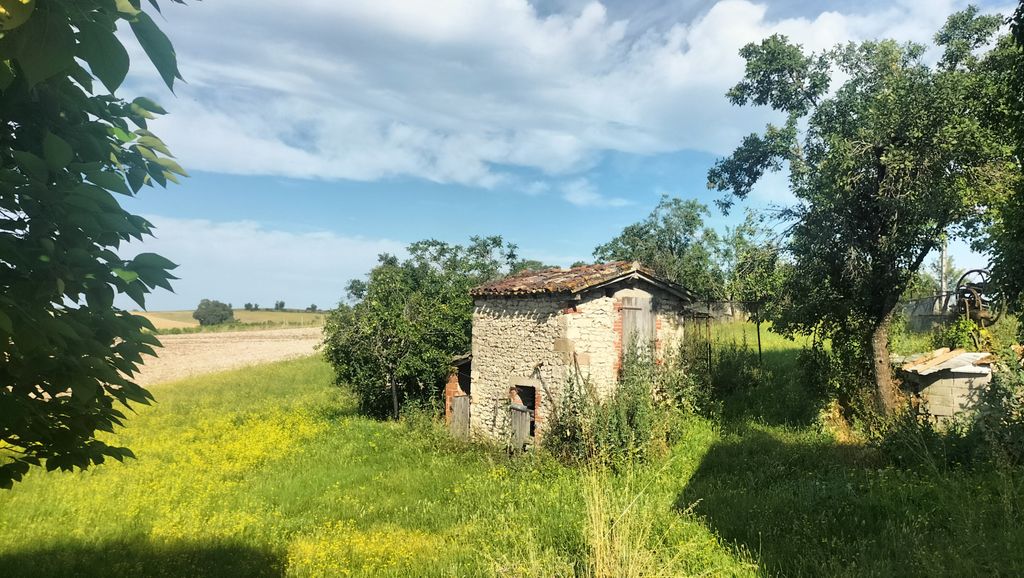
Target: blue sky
(323, 133)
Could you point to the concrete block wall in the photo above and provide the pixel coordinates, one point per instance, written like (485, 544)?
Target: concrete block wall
(952, 393)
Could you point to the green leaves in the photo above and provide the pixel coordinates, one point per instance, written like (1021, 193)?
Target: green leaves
(61, 231)
(105, 54)
(57, 152)
(109, 180)
(32, 166)
(45, 45)
(157, 47)
(147, 104)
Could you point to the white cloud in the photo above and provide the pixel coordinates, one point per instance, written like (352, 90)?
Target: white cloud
(242, 261)
(464, 91)
(583, 193)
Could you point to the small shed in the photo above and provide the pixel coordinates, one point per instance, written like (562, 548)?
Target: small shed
(947, 382)
(534, 330)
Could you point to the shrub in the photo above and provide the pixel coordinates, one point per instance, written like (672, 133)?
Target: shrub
(735, 367)
(841, 374)
(633, 424)
(624, 423)
(567, 434)
(961, 333)
(990, 436)
(212, 312)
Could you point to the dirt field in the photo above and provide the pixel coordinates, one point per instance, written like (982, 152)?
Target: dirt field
(192, 354)
(180, 319)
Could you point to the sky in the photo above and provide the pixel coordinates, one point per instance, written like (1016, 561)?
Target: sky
(319, 134)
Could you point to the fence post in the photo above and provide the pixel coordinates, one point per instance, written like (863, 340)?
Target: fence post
(707, 324)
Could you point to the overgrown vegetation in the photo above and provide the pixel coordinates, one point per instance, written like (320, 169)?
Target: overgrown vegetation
(634, 423)
(409, 319)
(295, 482)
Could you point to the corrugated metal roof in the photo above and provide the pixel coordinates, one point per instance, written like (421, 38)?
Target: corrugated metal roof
(574, 280)
(956, 360)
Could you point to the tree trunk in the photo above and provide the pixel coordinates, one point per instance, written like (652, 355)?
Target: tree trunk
(394, 395)
(888, 398)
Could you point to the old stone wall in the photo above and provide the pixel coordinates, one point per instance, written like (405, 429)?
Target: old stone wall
(541, 341)
(591, 332)
(516, 341)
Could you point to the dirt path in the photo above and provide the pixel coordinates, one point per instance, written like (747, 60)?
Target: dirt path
(196, 353)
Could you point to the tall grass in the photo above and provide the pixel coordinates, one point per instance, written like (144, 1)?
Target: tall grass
(269, 471)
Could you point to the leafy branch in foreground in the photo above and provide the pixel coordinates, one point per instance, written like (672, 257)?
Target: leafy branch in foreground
(68, 146)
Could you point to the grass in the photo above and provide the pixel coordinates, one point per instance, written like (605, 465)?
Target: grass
(268, 471)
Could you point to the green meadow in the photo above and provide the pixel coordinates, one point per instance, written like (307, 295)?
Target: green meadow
(268, 471)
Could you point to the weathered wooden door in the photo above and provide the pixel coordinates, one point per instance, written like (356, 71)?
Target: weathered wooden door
(460, 417)
(520, 418)
(637, 322)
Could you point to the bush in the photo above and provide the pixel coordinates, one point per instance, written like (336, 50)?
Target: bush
(624, 423)
(635, 423)
(567, 436)
(735, 366)
(990, 436)
(212, 312)
(840, 373)
(961, 333)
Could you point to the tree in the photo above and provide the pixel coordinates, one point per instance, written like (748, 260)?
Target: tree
(528, 265)
(410, 318)
(66, 144)
(881, 168)
(213, 312)
(1005, 238)
(756, 281)
(312, 308)
(278, 305)
(675, 243)
(247, 306)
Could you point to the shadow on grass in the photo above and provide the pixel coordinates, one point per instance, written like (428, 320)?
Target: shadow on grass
(778, 398)
(803, 505)
(141, 559)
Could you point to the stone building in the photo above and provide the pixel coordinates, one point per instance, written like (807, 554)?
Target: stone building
(535, 330)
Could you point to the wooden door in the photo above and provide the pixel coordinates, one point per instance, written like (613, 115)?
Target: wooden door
(637, 322)
(520, 418)
(460, 417)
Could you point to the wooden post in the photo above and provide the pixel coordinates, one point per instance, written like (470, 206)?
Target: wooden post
(707, 324)
(760, 359)
(394, 394)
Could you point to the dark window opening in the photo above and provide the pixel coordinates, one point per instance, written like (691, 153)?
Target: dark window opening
(528, 396)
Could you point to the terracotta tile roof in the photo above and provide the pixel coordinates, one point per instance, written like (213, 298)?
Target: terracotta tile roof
(546, 281)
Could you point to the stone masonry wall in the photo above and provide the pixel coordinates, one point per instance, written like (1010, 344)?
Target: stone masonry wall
(540, 341)
(515, 342)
